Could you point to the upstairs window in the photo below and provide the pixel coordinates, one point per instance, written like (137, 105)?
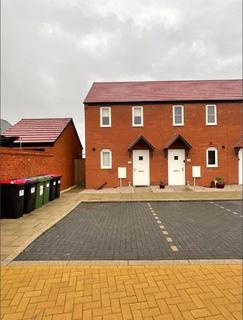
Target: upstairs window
(137, 116)
(211, 115)
(178, 116)
(105, 117)
(212, 157)
(105, 159)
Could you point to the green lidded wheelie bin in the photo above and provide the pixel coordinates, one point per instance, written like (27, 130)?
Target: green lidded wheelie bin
(12, 198)
(43, 190)
(39, 191)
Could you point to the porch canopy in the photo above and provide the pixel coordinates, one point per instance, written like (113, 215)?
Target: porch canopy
(177, 141)
(140, 142)
(238, 145)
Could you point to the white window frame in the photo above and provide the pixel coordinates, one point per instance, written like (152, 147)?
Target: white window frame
(215, 115)
(101, 111)
(133, 114)
(216, 157)
(101, 159)
(182, 115)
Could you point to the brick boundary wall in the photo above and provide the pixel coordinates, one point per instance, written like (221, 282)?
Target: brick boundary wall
(16, 163)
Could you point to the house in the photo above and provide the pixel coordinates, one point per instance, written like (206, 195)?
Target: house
(53, 142)
(4, 125)
(178, 132)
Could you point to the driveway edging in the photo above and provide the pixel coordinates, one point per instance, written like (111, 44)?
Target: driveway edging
(159, 200)
(130, 262)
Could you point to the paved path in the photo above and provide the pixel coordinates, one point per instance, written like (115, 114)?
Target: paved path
(162, 196)
(17, 234)
(210, 292)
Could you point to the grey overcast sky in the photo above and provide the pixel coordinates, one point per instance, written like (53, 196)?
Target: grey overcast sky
(52, 50)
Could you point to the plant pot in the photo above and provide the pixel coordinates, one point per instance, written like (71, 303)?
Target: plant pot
(162, 186)
(219, 185)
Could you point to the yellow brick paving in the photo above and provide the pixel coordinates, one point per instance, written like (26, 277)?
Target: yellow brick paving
(51, 291)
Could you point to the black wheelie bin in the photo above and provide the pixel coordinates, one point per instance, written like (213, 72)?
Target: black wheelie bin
(30, 194)
(55, 186)
(12, 198)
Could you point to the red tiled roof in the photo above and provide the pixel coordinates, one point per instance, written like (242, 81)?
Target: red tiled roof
(38, 130)
(142, 91)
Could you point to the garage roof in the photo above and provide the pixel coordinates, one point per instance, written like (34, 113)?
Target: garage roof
(145, 91)
(37, 130)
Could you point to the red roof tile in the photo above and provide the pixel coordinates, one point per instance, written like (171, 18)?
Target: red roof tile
(142, 91)
(38, 130)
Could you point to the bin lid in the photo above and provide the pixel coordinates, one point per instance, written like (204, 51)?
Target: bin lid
(13, 181)
(47, 177)
(55, 175)
(30, 180)
(42, 178)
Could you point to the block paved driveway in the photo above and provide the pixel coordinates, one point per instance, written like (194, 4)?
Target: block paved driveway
(143, 231)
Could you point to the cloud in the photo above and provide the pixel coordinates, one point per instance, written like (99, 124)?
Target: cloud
(52, 50)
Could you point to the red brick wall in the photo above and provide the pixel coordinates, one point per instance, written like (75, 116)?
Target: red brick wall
(65, 151)
(60, 158)
(15, 163)
(158, 130)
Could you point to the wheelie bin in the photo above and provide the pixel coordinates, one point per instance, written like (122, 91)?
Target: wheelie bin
(46, 189)
(39, 191)
(12, 198)
(55, 186)
(30, 194)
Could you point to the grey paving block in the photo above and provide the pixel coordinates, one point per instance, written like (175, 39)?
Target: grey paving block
(128, 231)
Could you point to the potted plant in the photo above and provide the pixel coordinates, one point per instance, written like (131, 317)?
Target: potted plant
(161, 185)
(219, 182)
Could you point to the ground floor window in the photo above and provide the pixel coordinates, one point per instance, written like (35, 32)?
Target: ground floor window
(105, 159)
(212, 157)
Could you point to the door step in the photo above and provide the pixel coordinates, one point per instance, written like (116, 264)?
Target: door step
(142, 189)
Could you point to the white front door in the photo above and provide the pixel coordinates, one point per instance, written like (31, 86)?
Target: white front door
(240, 165)
(176, 167)
(141, 169)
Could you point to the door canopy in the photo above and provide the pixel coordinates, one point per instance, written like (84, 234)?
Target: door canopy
(175, 141)
(238, 145)
(140, 141)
